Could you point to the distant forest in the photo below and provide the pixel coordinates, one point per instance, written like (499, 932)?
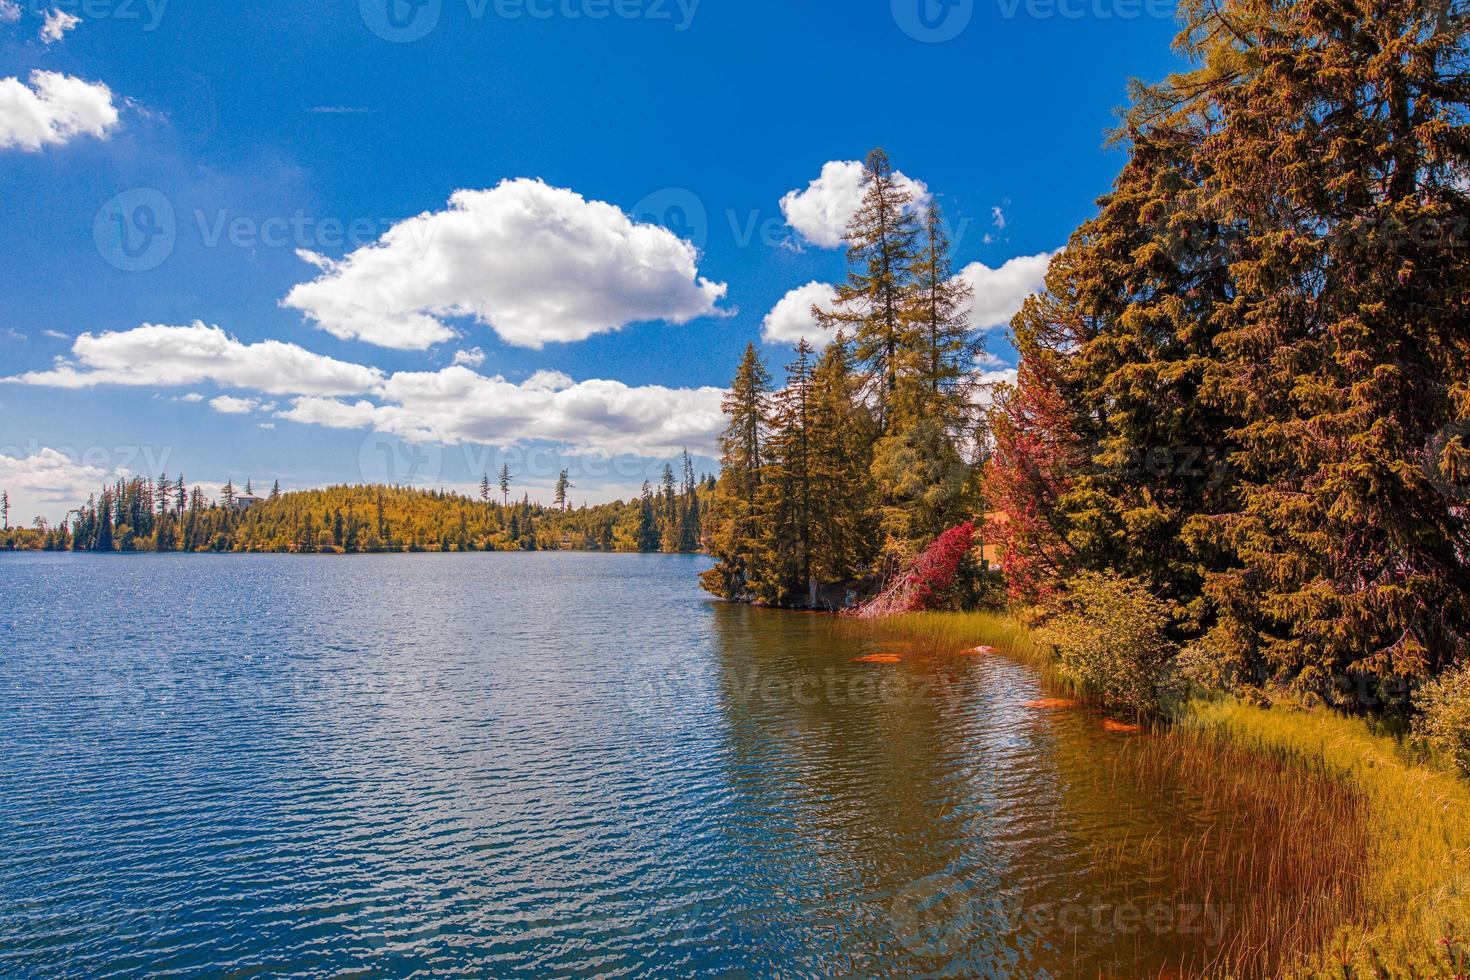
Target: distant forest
(164, 514)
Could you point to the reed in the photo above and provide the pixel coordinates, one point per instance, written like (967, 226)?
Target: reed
(1340, 854)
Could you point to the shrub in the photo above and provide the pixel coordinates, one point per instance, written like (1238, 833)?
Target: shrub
(1111, 639)
(1443, 725)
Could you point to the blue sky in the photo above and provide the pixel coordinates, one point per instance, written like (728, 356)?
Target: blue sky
(255, 152)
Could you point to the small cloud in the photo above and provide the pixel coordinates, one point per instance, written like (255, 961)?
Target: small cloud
(53, 110)
(192, 396)
(267, 425)
(338, 110)
(58, 22)
(473, 357)
(9, 12)
(55, 335)
(989, 360)
(998, 217)
(229, 405)
(15, 335)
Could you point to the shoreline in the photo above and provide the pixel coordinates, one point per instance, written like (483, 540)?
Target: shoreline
(1415, 874)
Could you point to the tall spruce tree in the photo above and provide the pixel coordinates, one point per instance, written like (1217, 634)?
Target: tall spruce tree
(1336, 156)
(735, 513)
(785, 544)
(842, 431)
(873, 304)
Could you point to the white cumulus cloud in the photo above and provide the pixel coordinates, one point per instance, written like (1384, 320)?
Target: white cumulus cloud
(535, 263)
(174, 356)
(473, 357)
(47, 482)
(53, 110)
(229, 405)
(822, 212)
(456, 405)
(9, 11)
(791, 318)
(58, 22)
(1000, 292)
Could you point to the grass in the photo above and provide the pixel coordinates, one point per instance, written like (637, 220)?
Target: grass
(1345, 856)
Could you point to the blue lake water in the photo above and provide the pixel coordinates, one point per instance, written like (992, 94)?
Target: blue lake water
(533, 764)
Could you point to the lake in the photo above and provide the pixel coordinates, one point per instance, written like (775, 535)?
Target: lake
(538, 764)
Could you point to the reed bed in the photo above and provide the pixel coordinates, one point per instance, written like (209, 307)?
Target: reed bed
(1338, 853)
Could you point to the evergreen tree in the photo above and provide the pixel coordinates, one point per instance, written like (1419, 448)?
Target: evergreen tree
(563, 484)
(505, 483)
(735, 516)
(842, 431)
(945, 348)
(874, 302)
(103, 540)
(784, 565)
(648, 532)
(1343, 350)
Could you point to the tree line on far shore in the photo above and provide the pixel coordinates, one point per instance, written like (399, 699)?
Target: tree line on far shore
(166, 515)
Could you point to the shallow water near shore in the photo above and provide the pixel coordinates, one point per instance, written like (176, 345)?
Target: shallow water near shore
(564, 763)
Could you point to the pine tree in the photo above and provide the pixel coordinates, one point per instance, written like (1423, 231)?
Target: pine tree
(784, 564)
(1340, 161)
(944, 347)
(5, 509)
(842, 432)
(276, 490)
(103, 540)
(648, 533)
(505, 483)
(882, 244)
(563, 484)
(734, 517)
